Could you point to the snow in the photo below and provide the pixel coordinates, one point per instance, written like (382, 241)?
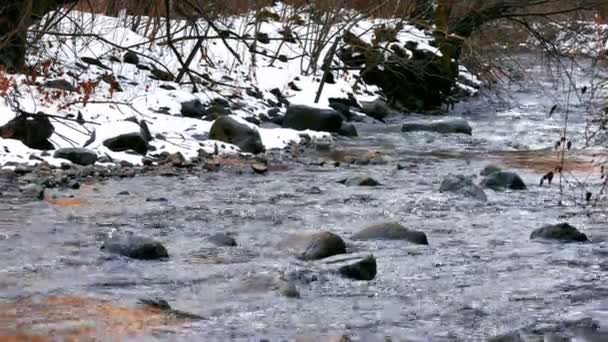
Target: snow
(143, 98)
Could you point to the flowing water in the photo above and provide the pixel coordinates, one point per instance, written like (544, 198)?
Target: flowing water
(481, 276)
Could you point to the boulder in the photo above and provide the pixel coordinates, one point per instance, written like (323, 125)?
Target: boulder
(60, 84)
(32, 130)
(193, 109)
(80, 156)
(391, 231)
(457, 126)
(562, 232)
(32, 191)
(377, 109)
(459, 184)
(229, 130)
(131, 58)
(316, 245)
(489, 169)
(348, 130)
(222, 240)
(359, 181)
(135, 247)
(504, 180)
(135, 141)
(361, 270)
(301, 118)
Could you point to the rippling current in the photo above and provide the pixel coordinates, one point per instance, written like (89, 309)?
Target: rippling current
(480, 276)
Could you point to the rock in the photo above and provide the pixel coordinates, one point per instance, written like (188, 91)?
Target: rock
(348, 130)
(361, 270)
(289, 290)
(443, 127)
(32, 130)
(193, 109)
(74, 184)
(162, 75)
(131, 58)
(315, 246)
(135, 247)
(33, 191)
(80, 156)
(504, 180)
(94, 61)
(259, 168)
(391, 231)
(223, 240)
(359, 181)
(489, 169)
(135, 141)
(562, 232)
(229, 130)
(60, 84)
(459, 184)
(377, 109)
(300, 117)
(262, 38)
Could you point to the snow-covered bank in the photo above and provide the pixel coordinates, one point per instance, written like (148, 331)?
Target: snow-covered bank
(109, 73)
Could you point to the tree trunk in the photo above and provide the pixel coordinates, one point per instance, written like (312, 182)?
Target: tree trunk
(15, 19)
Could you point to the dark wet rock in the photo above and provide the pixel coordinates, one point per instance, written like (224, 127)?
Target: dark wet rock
(300, 117)
(361, 270)
(135, 247)
(193, 109)
(377, 109)
(348, 130)
(562, 232)
(391, 231)
(229, 130)
(504, 180)
(80, 156)
(215, 111)
(94, 61)
(32, 191)
(157, 199)
(279, 96)
(60, 84)
(143, 67)
(74, 184)
(259, 168)
(443, 127)
(123, 193)
(32, 130)
(460, 184)
(359, 181)
(289, 290)
(163, 306)
(135, 141)
(222, 240)
(315, 246)
(489, 169)
(131, 58)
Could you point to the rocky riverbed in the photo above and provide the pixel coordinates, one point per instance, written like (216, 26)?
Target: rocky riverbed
(393, 235)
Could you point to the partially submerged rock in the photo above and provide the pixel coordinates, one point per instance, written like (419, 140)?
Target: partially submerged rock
(504, 180)
(80, 156)
(136, 247)
(32, 191)
(489, 169)
(364, 269)
(562, 232)
(316, 245)
(456, 126)
(391, 231)
(462, 185)
(377, 109)
(359, 181)
(229, 130)
(301, 118)
(223, 240)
